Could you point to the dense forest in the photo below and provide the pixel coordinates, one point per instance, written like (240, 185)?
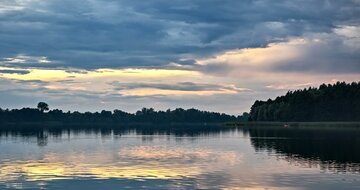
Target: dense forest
(337, 102)
(41, 114)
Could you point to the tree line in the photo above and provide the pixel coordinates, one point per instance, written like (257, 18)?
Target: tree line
(145, 115)
(331, 102)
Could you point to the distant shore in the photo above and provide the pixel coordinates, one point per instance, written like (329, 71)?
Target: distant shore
(293, 124)
(170, 125)
(114, 125)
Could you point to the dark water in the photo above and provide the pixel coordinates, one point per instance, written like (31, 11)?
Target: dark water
(247, 158)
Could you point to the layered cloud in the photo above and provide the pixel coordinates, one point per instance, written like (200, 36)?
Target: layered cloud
(182, 53)
(181, 88)
(94, 34)
(336, 52)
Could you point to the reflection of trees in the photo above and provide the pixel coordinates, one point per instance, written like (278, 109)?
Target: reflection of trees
(329, 149)
(42, 136)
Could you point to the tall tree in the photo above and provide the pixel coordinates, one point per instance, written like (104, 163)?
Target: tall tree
(42, 106)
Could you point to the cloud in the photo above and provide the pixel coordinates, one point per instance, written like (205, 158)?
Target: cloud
(174, 89)
(32, 82)
(289, 86)
(25, 61)
(326, 53)
(181, 86)
(167, 54)
(335, 52)
(20, 72)
(92, 34)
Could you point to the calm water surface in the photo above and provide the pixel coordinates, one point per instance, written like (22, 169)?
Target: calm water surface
(255, 158)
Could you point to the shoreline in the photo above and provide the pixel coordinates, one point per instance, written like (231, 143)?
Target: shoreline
(173, 125)
(319, 124)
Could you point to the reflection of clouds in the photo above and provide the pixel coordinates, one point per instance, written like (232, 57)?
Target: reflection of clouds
(142, 162)
(34, 171)
(206, 162)
(144, 172)
(41, 170)
(180, 155)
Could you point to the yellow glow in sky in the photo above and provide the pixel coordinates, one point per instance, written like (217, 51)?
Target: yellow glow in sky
(273, 53)
(99, 81)
(50, 75)
(154, 92)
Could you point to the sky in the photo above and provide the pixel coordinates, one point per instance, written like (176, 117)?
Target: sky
(215, 55)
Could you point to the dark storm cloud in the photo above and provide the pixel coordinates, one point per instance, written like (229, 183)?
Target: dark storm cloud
(116, 34)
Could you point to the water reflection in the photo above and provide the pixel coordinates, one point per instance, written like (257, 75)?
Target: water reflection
(215, 158)
(143, 162)
(330, 149)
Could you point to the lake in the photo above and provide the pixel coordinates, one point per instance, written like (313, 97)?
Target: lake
(216, 158)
